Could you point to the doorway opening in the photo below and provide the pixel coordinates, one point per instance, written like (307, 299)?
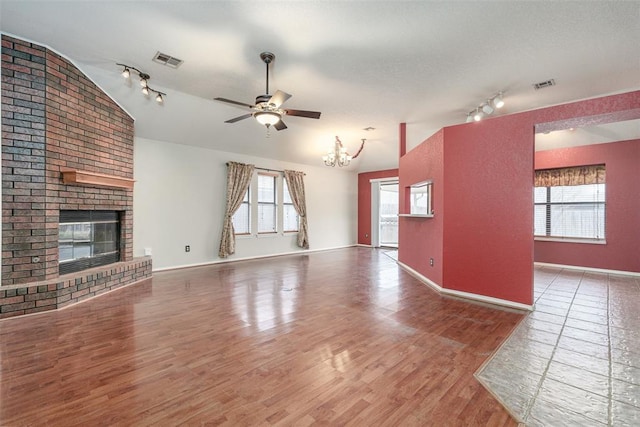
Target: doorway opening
(384, 212)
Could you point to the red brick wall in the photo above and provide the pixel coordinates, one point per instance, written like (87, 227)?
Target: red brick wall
(54, 117)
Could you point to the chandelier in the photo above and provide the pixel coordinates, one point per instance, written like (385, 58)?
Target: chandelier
(339, 156)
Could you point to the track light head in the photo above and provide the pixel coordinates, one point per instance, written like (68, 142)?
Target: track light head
(469, 117)
(487, 108)
(497, 101)
(478, 115)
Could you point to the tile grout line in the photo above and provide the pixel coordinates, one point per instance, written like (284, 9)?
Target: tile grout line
(555, 347)
(610, 407)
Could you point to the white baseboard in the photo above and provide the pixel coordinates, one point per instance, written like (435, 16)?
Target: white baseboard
(466, 295)
(595, 270)
(222, 261)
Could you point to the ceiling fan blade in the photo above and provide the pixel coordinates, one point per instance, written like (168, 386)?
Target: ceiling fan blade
(237, 119)
(280, 125)
(303, 113)
(279, 98)
(230, 101)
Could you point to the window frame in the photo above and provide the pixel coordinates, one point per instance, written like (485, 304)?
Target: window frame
(275, 203)
(548, 204)
(253, 203)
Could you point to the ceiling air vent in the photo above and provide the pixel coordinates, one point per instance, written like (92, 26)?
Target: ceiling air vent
(168, 60)
(546, 83)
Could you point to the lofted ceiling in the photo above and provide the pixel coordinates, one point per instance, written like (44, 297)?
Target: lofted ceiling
(361, 63)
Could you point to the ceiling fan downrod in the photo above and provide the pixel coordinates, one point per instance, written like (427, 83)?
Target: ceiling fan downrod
(267, 58)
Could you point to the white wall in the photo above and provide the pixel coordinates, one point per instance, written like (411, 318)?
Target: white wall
(179, 198)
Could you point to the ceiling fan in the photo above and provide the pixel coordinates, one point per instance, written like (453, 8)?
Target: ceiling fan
(267, 109)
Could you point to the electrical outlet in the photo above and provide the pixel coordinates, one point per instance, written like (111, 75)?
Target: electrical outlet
(431, 262)
(187, 248)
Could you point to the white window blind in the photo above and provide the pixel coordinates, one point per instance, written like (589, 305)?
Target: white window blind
(572, 211)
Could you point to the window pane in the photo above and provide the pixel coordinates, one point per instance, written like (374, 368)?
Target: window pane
(582, 221)
(578, 193)
(540, 195)
(241, 219)
(266, 188)
(540, 220)
(266, 218)
(290, 219)
(286, 197)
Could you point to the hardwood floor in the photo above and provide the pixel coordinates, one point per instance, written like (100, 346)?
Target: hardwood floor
(342, 337)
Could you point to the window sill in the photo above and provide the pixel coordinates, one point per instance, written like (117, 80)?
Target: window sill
(416, 215)
(570, 240)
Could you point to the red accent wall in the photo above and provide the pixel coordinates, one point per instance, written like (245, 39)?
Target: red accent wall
(364, 202)
(421, 238)
(487, 200)
(622, 227)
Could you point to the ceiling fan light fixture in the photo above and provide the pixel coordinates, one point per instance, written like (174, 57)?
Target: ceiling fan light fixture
(267, 118)
(145, 90)
(126, 73)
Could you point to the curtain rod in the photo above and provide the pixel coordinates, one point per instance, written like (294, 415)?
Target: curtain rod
(268, 170)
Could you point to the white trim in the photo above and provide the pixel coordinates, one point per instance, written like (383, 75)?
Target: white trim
(570, 240)
(593, 269)
(223, 261)
(466, 295)
(420, 277)
(46, 46)
(395, 178)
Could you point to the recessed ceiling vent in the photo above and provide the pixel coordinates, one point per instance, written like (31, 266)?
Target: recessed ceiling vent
(168, 60)
(542, 85)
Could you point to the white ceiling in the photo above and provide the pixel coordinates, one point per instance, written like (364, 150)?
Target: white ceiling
(366, 63)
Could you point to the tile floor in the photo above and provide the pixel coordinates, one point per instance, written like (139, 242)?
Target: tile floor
(575, 360)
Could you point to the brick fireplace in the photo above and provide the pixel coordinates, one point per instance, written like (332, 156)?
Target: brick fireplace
(58, 128)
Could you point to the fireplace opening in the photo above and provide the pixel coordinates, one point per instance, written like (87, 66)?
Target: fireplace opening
(88, 239)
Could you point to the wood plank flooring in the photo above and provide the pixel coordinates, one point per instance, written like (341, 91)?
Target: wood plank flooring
(341, 337)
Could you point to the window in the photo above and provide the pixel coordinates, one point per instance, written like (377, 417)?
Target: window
(289, 214)
(420, 202)
(242, 218)
(570, 211)
(267, 208)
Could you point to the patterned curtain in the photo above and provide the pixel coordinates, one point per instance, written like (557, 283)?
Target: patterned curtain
(295, 182)
(238, 180)
(579, 175)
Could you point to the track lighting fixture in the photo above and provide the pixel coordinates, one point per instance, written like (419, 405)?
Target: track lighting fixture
(144, 82)
(486, 108)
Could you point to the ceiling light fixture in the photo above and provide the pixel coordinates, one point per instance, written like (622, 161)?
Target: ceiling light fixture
(486, 108)
(144, 82)
(267, 118)
(339, 156)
